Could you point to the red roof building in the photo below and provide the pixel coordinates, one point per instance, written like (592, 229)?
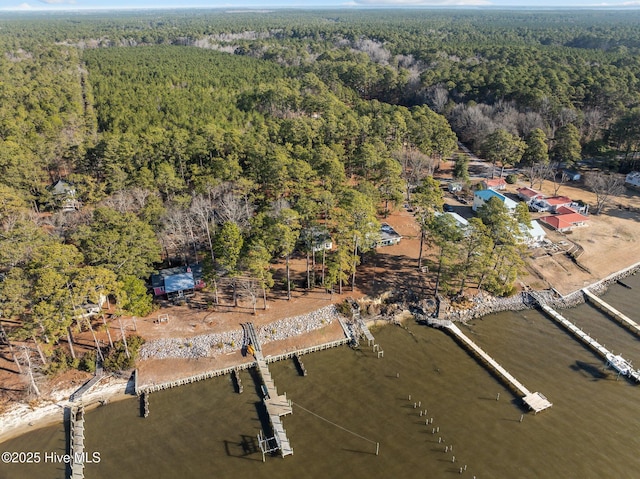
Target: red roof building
(565, 222)
(557, 201)
(528, 194)
(494, 184)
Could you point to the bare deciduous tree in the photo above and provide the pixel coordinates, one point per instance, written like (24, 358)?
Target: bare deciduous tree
(604, 186)
(438, 98)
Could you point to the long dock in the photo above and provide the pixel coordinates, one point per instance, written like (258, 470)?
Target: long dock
(594, 345)
(535, 401)
(612, 312)
(76, 443)
(276, 405)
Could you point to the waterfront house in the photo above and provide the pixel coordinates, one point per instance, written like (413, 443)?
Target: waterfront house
(177, 281)
(480, 197)
(534, 235)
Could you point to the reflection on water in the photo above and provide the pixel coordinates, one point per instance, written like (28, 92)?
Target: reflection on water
(208, 430)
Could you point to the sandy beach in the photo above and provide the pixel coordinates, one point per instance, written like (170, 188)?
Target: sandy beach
(22, 417)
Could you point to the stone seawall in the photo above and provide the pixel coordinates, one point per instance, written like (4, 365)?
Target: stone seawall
(484, 305)
(206, 345)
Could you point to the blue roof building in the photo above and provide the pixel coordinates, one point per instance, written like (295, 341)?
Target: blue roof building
(482, 196)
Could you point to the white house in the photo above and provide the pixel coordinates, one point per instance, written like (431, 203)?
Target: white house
(533, 235)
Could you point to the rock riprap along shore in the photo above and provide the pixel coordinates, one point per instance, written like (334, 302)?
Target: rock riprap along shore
(207, 345)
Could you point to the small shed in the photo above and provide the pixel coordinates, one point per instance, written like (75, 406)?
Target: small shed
(571, 175)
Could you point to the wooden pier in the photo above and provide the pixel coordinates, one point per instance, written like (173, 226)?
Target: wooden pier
(76, 442)
(612, 312)
(535, 401)
(240, 367)
(99, 374)
(594, 345)
(367, 334)
(276, 405)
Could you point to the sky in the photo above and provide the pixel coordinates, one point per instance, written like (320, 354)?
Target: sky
(35, 5)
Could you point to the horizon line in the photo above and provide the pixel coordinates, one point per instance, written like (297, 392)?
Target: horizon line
(230, 9)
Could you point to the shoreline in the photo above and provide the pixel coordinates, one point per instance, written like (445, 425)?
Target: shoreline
(22, 418)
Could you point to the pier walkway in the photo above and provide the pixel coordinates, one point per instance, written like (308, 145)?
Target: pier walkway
(535, 401)
(611, 311)
(594, 345)
(367, 334)
(99, 374)
(276, 405)
(76, 442)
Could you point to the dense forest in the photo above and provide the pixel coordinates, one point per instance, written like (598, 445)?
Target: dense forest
(241, 139)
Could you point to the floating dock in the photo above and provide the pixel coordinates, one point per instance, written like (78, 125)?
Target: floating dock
(612, 312)
(535, 401)
(76, 442)
(594, 345)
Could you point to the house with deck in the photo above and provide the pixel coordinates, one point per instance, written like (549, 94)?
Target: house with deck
(387, 236)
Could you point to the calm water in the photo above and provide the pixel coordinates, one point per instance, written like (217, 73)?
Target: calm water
(207, 430)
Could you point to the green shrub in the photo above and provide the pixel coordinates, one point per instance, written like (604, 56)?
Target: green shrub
(511, 179)
(117, 360)
(88, 362)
